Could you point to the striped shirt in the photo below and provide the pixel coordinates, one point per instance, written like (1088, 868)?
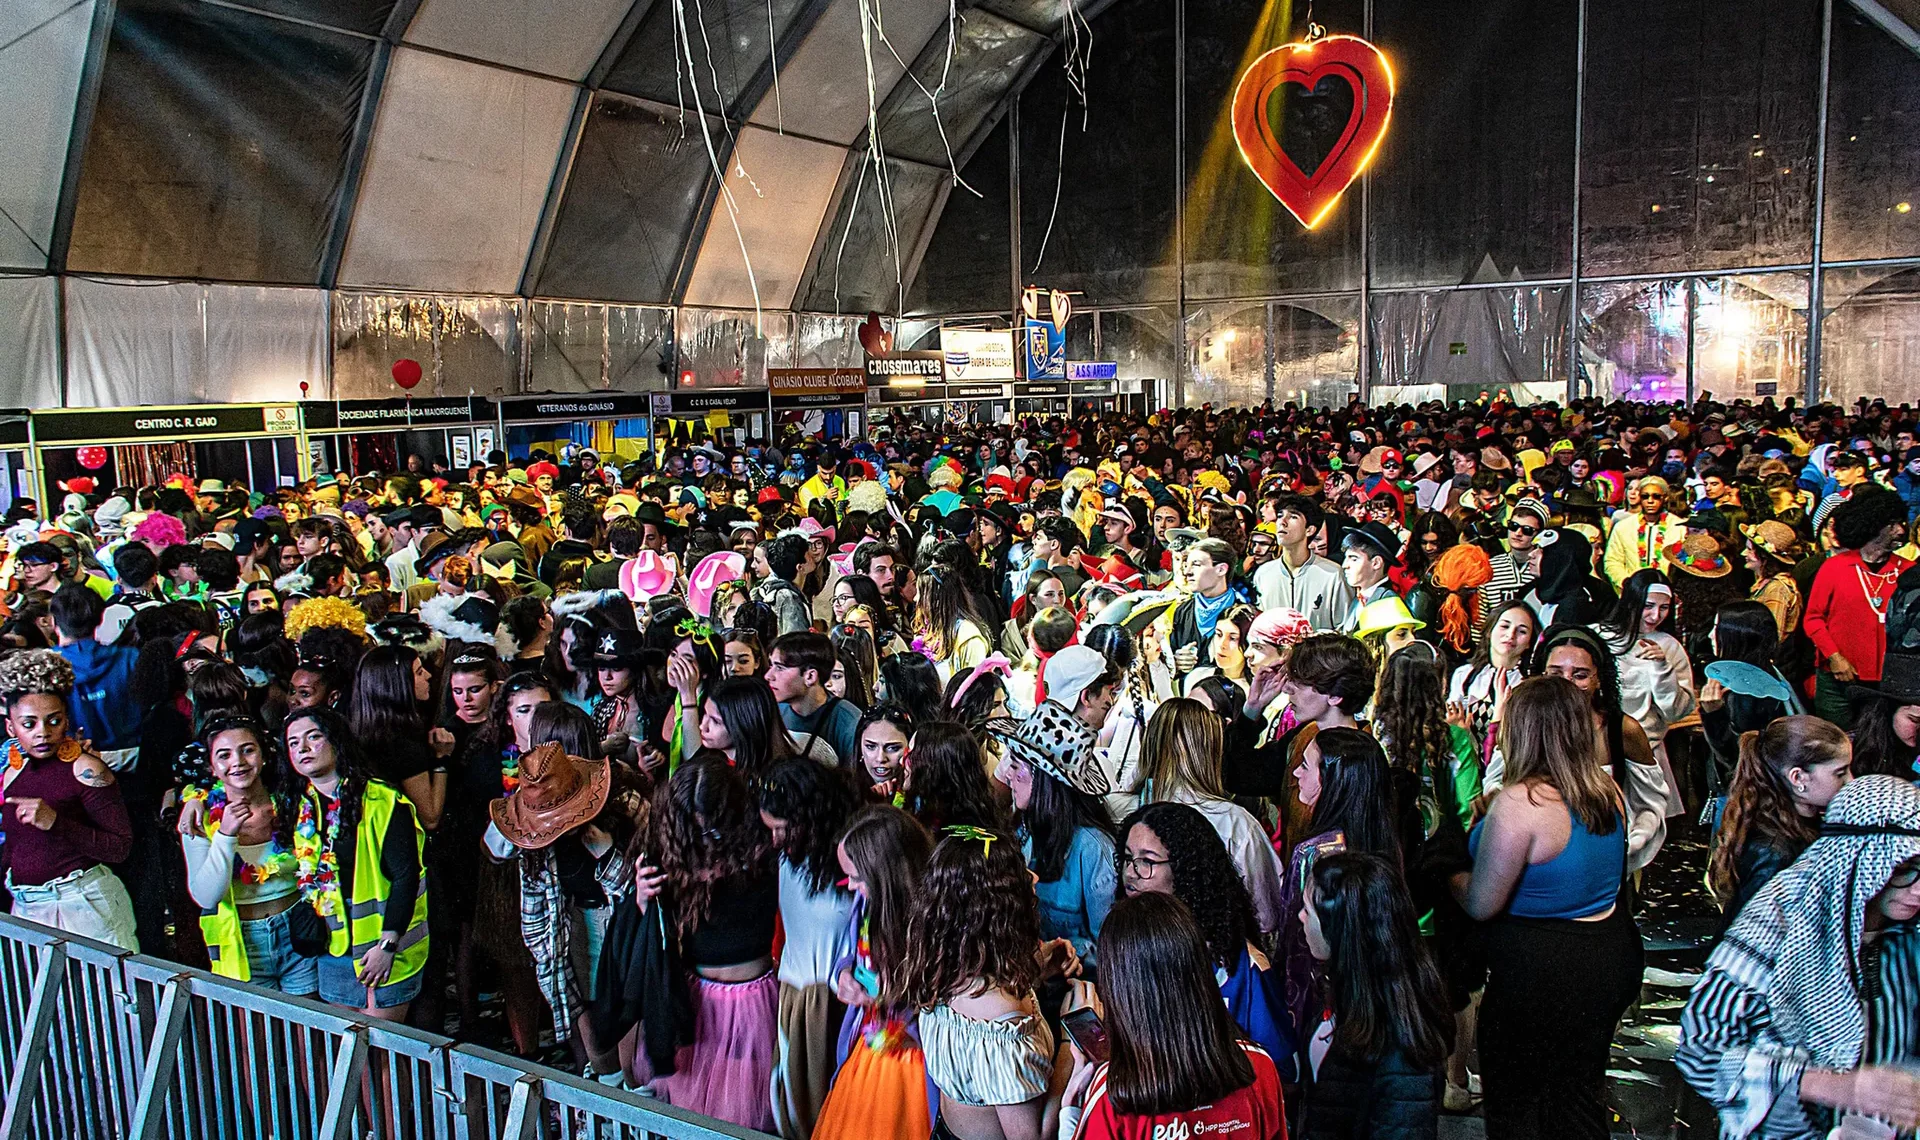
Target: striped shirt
(1731, 1053)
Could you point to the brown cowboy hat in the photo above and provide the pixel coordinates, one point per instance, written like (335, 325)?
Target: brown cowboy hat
(528, 498)
(557, 793)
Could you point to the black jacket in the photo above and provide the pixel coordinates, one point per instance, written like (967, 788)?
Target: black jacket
(1350, 1099)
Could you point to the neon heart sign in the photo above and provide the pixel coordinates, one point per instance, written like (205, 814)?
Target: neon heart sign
(1323, 67)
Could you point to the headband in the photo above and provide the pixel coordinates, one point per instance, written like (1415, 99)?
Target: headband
(992, 664)
(1658, 590)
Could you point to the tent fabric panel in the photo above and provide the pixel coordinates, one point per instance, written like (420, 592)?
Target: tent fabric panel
(465, 346)
(654, 64)
(367, 17)
(562, 38)
(30, 342)
(830, 68)
(142, 342)
(865, 253)
(45, 47)
(782, 196)
(638, 180)
(219, 146)
(456, 176)
(962, 82)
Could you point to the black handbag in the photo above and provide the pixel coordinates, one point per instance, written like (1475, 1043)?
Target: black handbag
(308, 931)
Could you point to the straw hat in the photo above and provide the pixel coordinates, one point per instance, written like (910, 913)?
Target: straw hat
(557, 793)
(1699, 555)
(1777, 539)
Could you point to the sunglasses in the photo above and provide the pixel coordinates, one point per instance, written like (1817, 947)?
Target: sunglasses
(1529, 531)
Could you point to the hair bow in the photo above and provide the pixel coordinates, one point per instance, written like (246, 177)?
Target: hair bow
(992, 664)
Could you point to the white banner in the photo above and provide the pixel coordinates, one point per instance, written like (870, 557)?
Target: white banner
(977, 354)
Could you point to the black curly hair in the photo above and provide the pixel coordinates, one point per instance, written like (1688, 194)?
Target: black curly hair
(978, 922)
(815, 802)
(1203, 875)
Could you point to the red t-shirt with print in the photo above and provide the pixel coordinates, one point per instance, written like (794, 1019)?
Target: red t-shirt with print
(1251, 1113)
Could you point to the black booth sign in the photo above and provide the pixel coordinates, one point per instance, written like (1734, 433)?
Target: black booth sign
(885, 369)
(542, 409)
(13, 427)
(918, 394)
(718, 400)
(1094, 388)
(156, 424)
(976, 391)
(395, 415)
(816, 387)
(1040, 388)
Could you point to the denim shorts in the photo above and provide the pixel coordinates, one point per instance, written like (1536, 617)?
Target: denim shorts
(589, 934)
(340, 985)
(271, 960)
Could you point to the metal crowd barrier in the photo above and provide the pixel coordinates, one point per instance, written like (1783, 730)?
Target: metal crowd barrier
(99, 1044)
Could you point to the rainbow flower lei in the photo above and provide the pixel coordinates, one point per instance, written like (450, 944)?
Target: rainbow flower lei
(510, 770)
(279, 859)
(318, 868)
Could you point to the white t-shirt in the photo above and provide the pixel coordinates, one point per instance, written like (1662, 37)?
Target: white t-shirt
(817, 926)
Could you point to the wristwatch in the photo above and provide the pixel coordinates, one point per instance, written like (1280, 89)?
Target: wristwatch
(389, 944)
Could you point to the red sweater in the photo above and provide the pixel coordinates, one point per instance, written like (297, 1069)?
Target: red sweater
(90, 825)
(1839, 618)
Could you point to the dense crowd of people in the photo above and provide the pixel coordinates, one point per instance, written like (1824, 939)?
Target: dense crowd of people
(1243, 772)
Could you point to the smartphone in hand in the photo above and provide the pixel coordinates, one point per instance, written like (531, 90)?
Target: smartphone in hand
(1087, 1034)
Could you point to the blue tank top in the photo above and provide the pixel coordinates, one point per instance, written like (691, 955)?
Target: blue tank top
(1584, 879)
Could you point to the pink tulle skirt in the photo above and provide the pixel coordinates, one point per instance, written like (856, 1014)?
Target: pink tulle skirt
(727, 1072)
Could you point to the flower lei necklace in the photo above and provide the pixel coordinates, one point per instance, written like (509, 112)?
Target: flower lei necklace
(278, 858)
(318, 868)
(510, 770)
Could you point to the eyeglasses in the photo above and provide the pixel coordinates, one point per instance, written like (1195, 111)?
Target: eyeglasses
(1905, 876)
(1143, 866)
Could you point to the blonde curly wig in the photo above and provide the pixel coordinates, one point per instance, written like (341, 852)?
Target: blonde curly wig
(315, 613)
(35, 671)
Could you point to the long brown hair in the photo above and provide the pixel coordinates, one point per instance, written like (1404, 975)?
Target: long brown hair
(1547, 735)
(890, 849)
(1174, 1047)
(978, 922)
(1760, 802)
(1182, 749)
(1410, 712)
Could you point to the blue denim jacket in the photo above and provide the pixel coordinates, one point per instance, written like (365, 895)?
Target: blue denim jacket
(1075, 905)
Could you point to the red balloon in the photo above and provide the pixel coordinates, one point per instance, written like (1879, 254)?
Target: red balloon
(406, 373)
(92, 458)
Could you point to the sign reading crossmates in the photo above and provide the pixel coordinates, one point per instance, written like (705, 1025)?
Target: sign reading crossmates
(905, 369)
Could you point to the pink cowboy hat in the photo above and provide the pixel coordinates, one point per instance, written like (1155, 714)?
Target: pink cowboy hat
(713, 572)
(648, 575)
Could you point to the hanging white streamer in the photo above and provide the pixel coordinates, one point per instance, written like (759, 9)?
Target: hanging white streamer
(685, 43)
